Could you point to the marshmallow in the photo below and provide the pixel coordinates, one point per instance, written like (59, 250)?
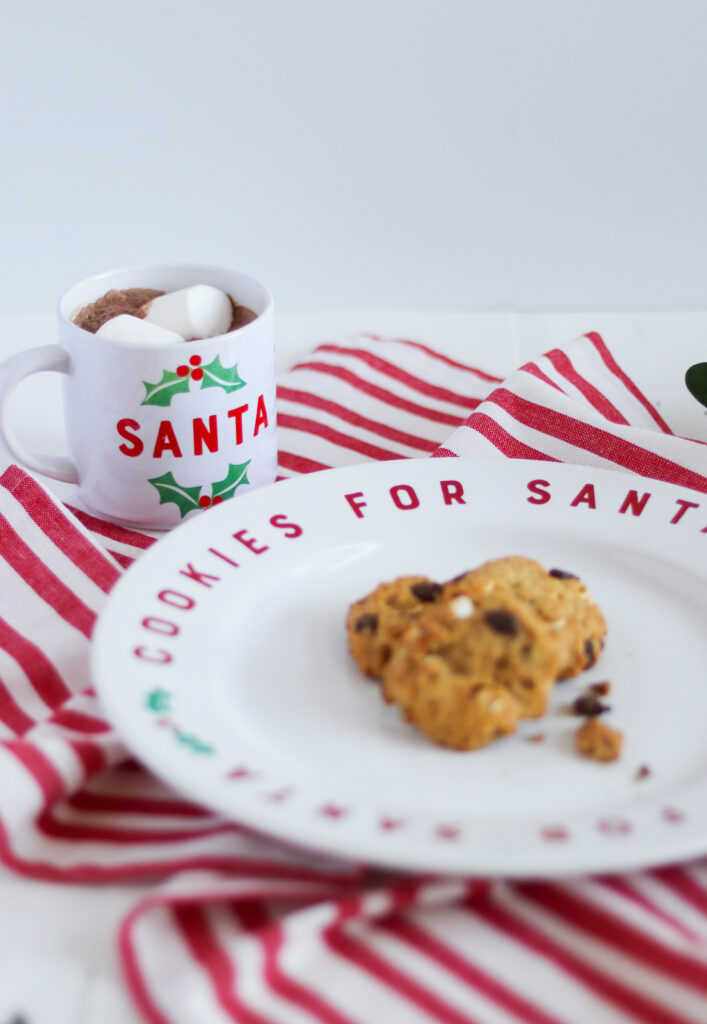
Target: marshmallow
(136, 331)
(195, 313)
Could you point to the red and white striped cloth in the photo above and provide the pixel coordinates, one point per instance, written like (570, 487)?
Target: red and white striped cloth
(239, 928)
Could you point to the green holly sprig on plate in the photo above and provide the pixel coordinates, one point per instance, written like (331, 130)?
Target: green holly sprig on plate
(159, 702)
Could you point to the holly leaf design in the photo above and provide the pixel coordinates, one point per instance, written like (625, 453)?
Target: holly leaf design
(696, 382)
(218, 376)
(158, 701)
(163, 393)
(194, 743)
(226, 488)
(185, 498)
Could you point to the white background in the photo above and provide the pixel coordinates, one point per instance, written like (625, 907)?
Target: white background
(360, 154)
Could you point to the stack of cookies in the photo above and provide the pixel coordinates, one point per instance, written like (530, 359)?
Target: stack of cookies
(466, 659)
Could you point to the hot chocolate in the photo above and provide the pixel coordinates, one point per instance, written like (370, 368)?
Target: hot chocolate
(133, 302)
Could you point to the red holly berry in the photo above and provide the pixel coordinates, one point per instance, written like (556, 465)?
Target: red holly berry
(182, 371)
(204, 501)
(217, 501)
(197, 374)
(194, 360)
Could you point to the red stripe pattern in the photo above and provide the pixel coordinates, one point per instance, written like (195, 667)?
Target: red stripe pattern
(369, 399)
(250, 931)
(579, 406)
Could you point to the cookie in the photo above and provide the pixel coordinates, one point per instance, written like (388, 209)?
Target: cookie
(484, 637)
(375, 622)
(558, 597)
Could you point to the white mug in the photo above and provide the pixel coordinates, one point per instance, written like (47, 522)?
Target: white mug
(157, 433)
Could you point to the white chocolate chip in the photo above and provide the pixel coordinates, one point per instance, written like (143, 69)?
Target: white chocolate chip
(558, 624)
(461, 607)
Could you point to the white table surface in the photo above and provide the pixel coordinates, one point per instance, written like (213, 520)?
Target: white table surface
(58, 957)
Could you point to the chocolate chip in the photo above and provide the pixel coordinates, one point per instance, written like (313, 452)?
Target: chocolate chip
(601, 688)
(589, 651)
(560, 574)
(590, 705)
(368, 621)
(503, 622)
(426, 592)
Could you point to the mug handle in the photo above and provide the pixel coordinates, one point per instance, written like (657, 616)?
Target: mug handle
(12, 371)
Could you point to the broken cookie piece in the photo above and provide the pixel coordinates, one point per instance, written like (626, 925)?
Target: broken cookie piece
(588, 705)
(598, 741)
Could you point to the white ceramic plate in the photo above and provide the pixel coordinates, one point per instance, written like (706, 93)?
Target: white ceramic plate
(221, 657)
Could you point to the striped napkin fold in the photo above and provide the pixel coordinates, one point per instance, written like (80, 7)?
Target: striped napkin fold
(242, 928)
(578, 405)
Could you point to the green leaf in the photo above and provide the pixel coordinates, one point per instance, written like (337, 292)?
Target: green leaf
(218, 376)
(696, 381)
(163, 393)
(158, 700)
(233, 479)
(197, 745)
(185, 498)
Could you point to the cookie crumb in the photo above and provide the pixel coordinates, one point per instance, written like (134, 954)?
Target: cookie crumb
(602, 688)
(598, 741)
(642, 772)
(589, 705)
(537, 737)
(561, 574)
